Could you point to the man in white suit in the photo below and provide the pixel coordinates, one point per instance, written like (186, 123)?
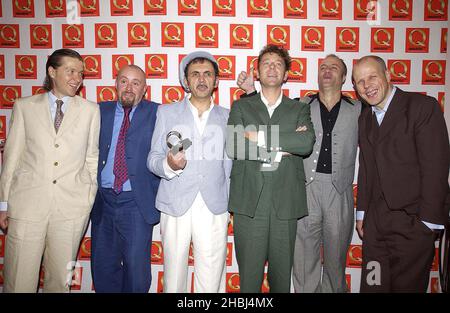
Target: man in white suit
(193, 193)
(49, 178)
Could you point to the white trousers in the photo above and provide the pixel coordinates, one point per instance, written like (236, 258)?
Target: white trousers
(208, 233)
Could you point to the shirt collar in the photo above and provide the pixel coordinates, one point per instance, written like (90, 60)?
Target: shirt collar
(375, 109)
(120, 108)
(194, 110)
(53, 98)
(276, 104)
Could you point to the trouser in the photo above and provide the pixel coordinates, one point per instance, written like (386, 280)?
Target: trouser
(121, 243)
(262, 238)
(398, 250)
(329, 223)
(55, 239)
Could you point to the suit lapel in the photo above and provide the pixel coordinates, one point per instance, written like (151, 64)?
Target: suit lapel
(138, 118)
(260, 110)
(109, 111)
(394, 113)
(42, 113)
(283, 109)
(71, 115)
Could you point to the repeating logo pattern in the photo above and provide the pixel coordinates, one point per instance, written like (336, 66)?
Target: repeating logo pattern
(411, 36)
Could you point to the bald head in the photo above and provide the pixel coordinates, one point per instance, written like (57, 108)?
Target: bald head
(371, 80)
(131, 85)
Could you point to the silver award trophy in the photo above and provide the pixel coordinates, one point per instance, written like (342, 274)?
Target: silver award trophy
(176, 143)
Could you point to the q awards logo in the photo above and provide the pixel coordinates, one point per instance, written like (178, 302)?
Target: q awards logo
(330, 9)
(259, 8)
(189, 7)
(241, 36)
(436, 10)
(121, 7)
(365, 10)
(313, 38)
(172, 34)
(9, 36)
(156, 66)
(8, 95)
(157, 253)
(73, 35)
(55, 8)
(382, 40)
(138, 34)
(400, 10)
(354, 256)
(106, 93)
(227, 68)
(84, 252)
(347, 39)
(400, 71)
(119, 61)
(23, 8)
(224, 7)
(172, 94)
(106, 35)
(155, 7)
(41, 36)
(37, 90)
(417, 40)
(89, 7)
(298, 71)
(92, 66)
(279, 35)
(295, 9)
(433, 72)
(26, 66)
(206, 35)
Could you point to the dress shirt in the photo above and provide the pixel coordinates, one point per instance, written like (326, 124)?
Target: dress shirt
(328, 121)
(379, 114)
(107, 175)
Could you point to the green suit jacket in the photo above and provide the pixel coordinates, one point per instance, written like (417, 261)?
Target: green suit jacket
(288, 176)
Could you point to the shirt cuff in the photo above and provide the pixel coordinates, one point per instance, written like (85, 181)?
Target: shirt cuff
(261, 139)
(278, 157)
(433, 226)
(170, 173)
(3, 206)
(359, 215)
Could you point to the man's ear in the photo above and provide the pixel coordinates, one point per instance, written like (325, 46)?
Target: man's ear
(51, 71)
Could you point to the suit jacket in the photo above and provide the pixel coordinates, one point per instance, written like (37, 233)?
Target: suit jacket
(410, 157)
(43, 168)
(289, 195)
(207, 169)
(144, 184)
(344, 141)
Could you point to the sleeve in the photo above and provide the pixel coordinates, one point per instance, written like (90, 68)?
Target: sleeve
(14, 146)
(300, 143)
(432, 146)
(92, 148)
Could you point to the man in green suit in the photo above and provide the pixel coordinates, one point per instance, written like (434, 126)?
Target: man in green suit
(268, 134)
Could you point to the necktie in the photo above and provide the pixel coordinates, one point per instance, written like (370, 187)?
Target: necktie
(120, 166)
(59, 114)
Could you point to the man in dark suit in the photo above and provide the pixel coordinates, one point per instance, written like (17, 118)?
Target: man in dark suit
(124, 212)
(267, 136)
(402, 181)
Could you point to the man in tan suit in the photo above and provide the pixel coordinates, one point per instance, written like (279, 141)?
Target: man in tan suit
(49, 178)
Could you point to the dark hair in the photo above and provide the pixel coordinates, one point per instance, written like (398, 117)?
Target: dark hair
(283, 53)
(54, 60)
(201, 60)
(340, 60)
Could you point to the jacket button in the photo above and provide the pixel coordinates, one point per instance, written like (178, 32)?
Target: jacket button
(55, 164)
(56, 145)
(54, 182)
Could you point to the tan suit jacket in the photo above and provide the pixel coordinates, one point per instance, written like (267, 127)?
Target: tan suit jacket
(43, 169)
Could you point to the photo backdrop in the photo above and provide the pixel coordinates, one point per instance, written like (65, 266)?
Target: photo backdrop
(410, 35)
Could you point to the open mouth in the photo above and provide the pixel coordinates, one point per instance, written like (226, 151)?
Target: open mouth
(372, 93)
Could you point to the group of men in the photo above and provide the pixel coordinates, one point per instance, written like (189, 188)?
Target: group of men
(283, 167)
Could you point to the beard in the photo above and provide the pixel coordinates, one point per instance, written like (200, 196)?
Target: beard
(127, 101)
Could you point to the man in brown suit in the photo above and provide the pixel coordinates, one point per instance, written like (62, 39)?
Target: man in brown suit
(402, 181)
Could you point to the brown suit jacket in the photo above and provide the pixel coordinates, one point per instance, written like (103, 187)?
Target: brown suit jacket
(410, 155)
